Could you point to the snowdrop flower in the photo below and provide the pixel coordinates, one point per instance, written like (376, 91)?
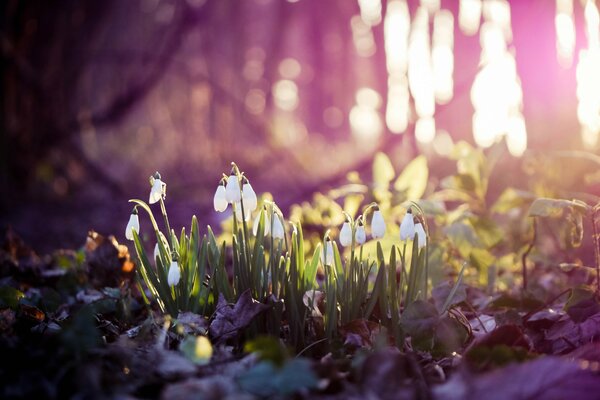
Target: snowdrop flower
(360, 236)
(232, 190)
(377, 225)
(248, 197)
(257, 220)
(174, 273)
(421, 235)
(163, 239)
(407, 227)
(133, 224)
(238, 212)
(327, 254)
(278, 231)
(158, 189)
(346, 234)
(220, 200)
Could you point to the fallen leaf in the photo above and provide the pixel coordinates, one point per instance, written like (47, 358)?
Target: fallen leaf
(543, 378)
(230, 319)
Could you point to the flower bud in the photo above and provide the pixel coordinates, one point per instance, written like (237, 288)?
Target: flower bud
(377, 225)
(421, 235)
(174, 274)
(133, 224)
(407, 227)
(360, 236)
(249, 199)
(346, 234)
(220, 200)
(232, 190)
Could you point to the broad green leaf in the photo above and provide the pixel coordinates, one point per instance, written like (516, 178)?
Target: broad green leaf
(413, 179)
(511, 199)
(383, 170)
(198, 349)
(545, 207)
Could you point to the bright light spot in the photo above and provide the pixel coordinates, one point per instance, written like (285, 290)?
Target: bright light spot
(289, 68)
(496, 92)
(425, 129)
(588, 79)
(498, 12)
(396, 33)
(420, 71)
(365, 122)
(516, 136)
(362, 37)
(469, 16)
(395, 29)
(255, 101)
(368, 97)
(285, 93)
(432, 6)
(442, 56)
(333, 117)
(442, 143)
(565, 32)
(370, 11)
(592, 24)
(397, 109)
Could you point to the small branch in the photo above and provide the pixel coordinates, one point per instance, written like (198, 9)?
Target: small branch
(526, 253)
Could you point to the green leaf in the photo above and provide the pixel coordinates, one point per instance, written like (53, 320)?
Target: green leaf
(198, 349)
(9, 297)
(383, 170)
(268, 348)
(413, 179)
(511, 199)
(266, 380)
(545, 207)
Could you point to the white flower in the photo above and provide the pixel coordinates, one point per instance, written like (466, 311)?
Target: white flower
(249, 198)
(156, 251)
(360, 236)
(278, 231)
(407, 227)
(238, 212)
(257, 220)
(133, 224)
(163, 239)
(346, 234)
(312, 299)
(174, 274)
(421, 235)
(327, 254)
(232, 190)
(158, 189)
(377, 225)
(220, 200)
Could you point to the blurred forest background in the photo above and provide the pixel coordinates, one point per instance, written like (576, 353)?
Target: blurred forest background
(97, 95)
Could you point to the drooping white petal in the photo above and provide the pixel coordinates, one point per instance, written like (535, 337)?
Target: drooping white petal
(257, 220)
(157, 191)
(278, 231)
(407, 227)
(133, 224)
(232, 190)
(156, 251)
(327, 254)
(249, 198)
(346, 235)
(377, 225)
(220, 200)
(312, 299)
(360, 236)
(421, 235)
(174, 274)
(239, 214)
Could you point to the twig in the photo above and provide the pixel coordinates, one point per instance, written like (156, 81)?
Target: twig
(526, 253)
(311, 345)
